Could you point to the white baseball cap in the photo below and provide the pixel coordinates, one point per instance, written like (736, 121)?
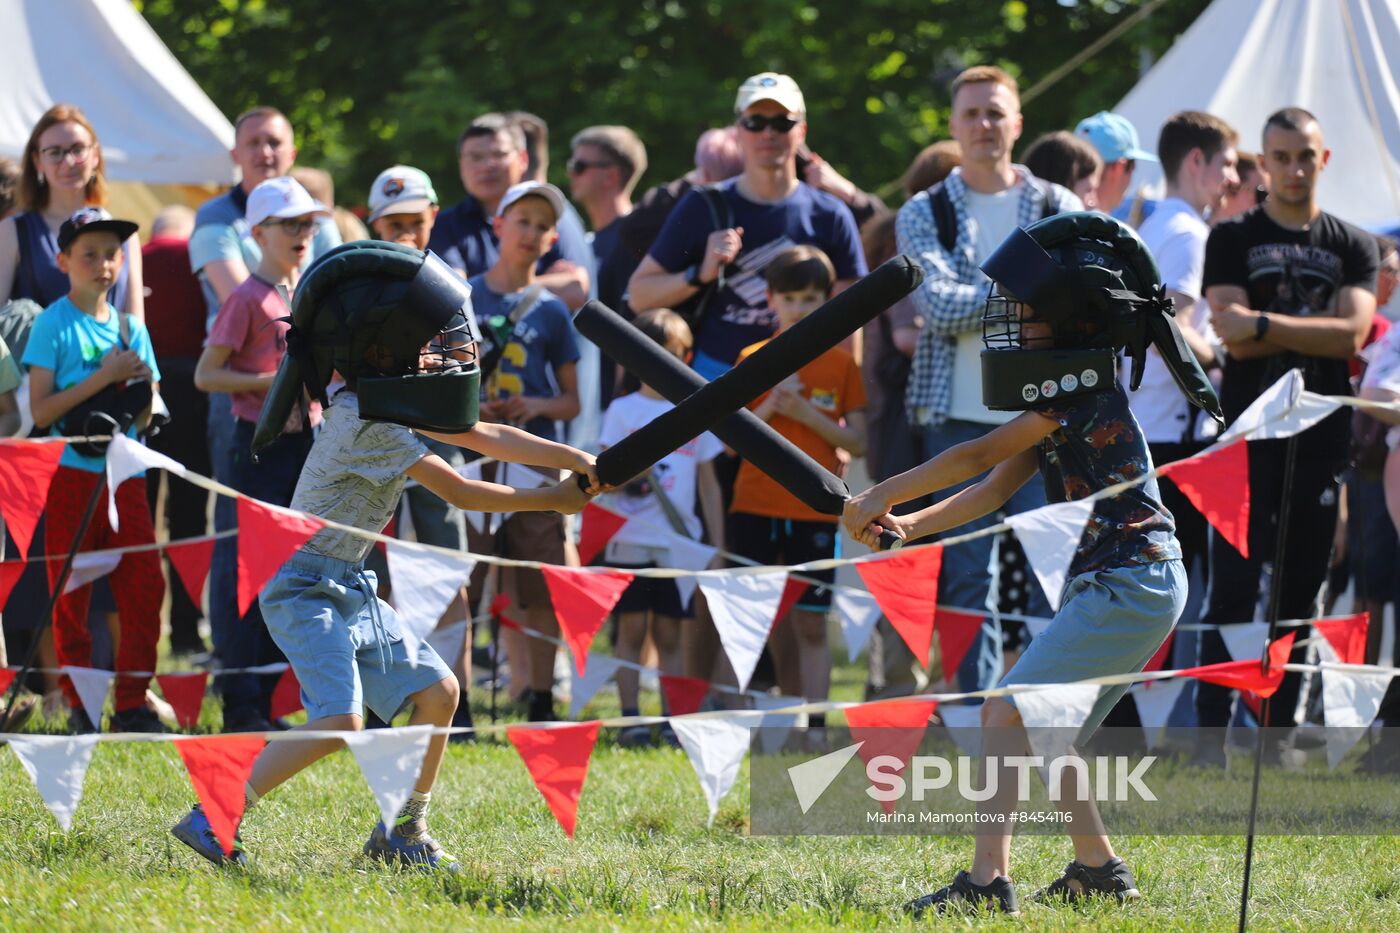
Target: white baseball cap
(400, 189)
(771, 86)
(526, 189)
(281, 197)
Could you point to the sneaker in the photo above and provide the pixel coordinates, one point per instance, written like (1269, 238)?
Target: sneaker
(79, 723)
(963, 895)
(1113, 879)
(635, 737)
(410, 846)
(245, 720)
(194, 831)
(136, 719)
(540, 706)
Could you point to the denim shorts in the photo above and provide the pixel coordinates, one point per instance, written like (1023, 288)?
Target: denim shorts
(343, 642)
(1109, 622)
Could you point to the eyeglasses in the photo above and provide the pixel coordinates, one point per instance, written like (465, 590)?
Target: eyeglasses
(54, 155)
(757, 123)
(579, 166)
(292, 226)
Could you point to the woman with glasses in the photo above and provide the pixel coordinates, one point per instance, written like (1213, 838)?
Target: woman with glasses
(62, 172)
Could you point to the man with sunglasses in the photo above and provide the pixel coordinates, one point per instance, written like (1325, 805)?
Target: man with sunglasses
(766, 210)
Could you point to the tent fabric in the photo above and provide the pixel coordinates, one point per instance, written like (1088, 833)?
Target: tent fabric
(1244, 59)
(154, 122)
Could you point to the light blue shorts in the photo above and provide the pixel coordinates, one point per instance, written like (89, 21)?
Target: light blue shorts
(343, 641)
(1110, 622)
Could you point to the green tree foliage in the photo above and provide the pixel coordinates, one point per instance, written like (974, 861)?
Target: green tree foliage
(367, 84)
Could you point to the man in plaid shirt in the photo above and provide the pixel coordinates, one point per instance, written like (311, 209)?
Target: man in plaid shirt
(989, 197)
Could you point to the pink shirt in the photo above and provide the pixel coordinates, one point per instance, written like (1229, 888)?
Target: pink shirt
(248, 323)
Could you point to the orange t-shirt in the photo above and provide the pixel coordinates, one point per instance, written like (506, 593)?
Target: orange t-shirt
(833, 385)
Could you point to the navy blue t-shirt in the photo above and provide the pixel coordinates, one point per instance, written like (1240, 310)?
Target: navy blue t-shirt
(739, 315)
(543, 341)
(463, 237)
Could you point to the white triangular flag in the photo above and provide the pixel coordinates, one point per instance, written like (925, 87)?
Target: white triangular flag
(1052, 714)
(774, 728)
(582, 687)
(811, 778)
(686, 554)
(1284, 409)
(858, 611)
(1350, 699)
(390, 760)
(90, 566)
(126, 458)
(743, 606)
(964, 726)
(56, 764)
(448, 642)
(716, 748)
(1049, 536)
(1245, 640)
(1155, 701)
(425, 581)
(91, 685)
(482, 522)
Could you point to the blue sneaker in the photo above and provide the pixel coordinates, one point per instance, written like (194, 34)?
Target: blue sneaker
(194, 831)
(410, 846)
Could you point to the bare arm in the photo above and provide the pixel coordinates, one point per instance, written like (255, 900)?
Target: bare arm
(1338, 336)
(437, 476)
(979, 499)
(9, 415)
(135, 280)
(224, 276)
(569, 282)
(47, 406)
(652, 286)
(849, 437)
(711, 501)
(561, 407)
(504, 442)
(211, 374)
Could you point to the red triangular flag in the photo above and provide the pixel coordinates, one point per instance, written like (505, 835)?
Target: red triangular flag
(286, 696)
(1217, 484)
(557, 759)
(185, 694)
(1347, 636)
(191, 563)
(906, 587)
(792, 592)
(7, 677)
(10, 572)
(956, 632)
(267, 536)
(582, 600)
(26, 470)
(683, 694)
(1248, 674)
(391, 530)
(1159, 658)
(598, 525)
(219, 767)
(894, 728)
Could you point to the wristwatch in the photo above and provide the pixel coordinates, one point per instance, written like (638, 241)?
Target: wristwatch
(1261, 325)
(692, 277)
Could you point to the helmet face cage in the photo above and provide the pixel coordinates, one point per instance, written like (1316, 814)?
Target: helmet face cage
(1004, 324)
(454, 348)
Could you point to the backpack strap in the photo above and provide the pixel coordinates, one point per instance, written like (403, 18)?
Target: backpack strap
(1047, 202)
(945, 216)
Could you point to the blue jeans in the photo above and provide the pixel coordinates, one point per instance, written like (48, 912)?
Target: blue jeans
(967, 575)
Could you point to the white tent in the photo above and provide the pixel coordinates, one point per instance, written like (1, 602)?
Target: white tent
(1340, 59)
(155, 123)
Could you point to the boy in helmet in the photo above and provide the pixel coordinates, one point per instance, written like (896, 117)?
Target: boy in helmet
(407, 353)
(1070, 291)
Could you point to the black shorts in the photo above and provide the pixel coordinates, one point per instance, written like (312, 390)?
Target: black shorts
(651, 594)
(775, 541)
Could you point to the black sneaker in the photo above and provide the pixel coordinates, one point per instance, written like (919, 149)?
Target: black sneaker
(136, 719)
(963, 895)
(1113, 879)
(79, 723)
(245, 720)
(540, 706)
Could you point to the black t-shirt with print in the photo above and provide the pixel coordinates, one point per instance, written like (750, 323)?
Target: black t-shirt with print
(1289, 272)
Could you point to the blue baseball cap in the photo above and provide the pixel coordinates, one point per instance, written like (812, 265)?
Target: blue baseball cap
(1113, 136)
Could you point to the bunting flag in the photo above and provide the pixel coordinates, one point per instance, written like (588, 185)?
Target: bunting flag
(1050, 535)
(286, 696)
(7, 677)
(1164, 651)
(1346, 636)
(956, 632)
(716, 748)
(1248, 674)
(1052, 714)
(191, 563)
(57, 765)
(425, 582)
(774, 728)
(1350, 701)
(91, 686)
(891, 728)
(26, 470)
(125, 459)
(1284, 409)
(10, 572)
(1155, 700)
(450, 641)
(390, 760)
(219, 767)
(685, 554)
(964, 726)
(582, 600)
(858, 612)
(1216, 482)
(683, 694)
(185, 694)
(905, 584)
(597, 526)
(811, 778)
(267, 536)
(557, 759)
(1245, 640)
(583, 687)
(90, 566)
(744, 607)
(792, 592)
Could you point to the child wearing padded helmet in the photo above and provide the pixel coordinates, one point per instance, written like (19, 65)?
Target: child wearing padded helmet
(1069, 292)
(397, 325)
